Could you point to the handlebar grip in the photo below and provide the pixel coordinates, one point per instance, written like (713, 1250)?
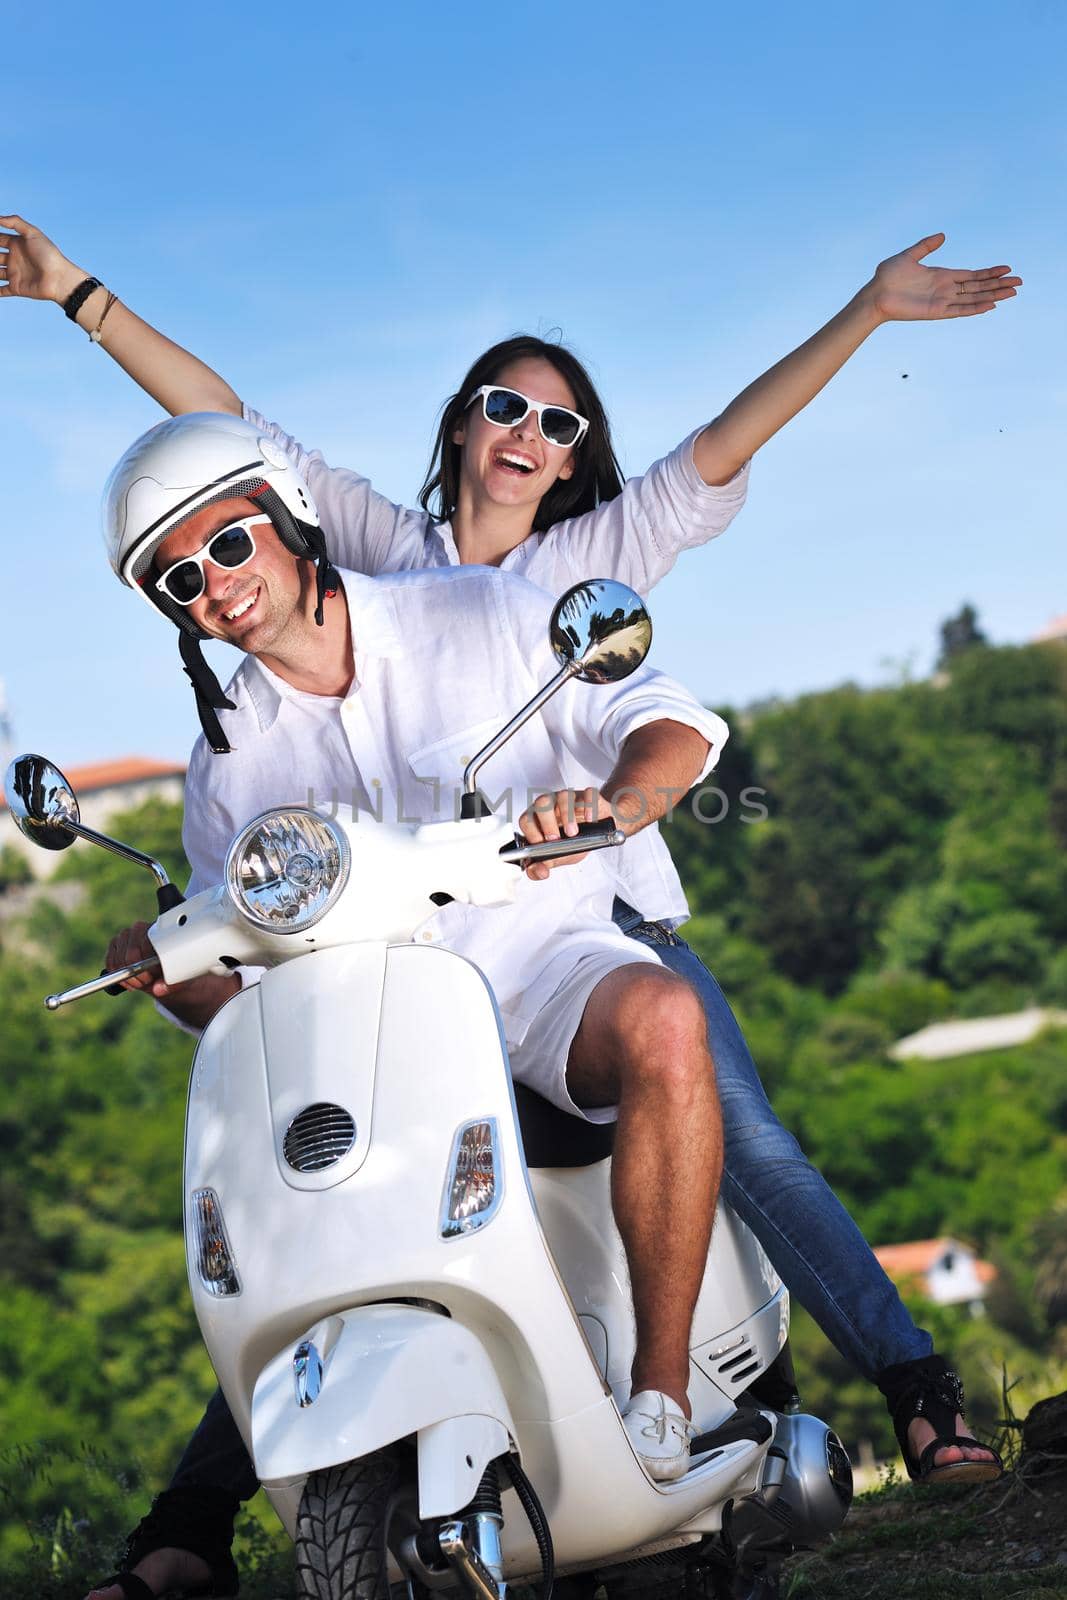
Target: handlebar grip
(606, 828)
(590, 836)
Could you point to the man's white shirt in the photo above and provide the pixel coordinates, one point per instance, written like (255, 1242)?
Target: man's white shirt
(443, 660)
(636, 538)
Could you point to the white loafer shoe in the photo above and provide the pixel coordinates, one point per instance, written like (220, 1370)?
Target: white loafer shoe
(659, 1434)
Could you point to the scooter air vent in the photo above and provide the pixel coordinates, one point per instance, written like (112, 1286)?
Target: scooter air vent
(734, 1365)
(318, 1137)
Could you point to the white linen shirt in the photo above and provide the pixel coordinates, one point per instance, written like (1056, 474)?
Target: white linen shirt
(636, 538)
(442, 660)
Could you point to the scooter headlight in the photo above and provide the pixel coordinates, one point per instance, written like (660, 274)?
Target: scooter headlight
(287, 868)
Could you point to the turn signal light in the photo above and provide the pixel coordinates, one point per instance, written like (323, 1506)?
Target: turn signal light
(211, 1245)
(474, 1185)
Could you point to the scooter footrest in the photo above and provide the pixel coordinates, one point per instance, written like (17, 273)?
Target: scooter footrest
(746, 1423)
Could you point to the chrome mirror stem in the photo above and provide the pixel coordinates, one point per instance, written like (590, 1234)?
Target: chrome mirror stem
(45, 808)
(125, 850)
(474, 766)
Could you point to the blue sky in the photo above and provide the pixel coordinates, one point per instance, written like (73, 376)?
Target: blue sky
(340, 207)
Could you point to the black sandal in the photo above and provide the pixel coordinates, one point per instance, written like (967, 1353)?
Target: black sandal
(929, 1388)
(193, 1519)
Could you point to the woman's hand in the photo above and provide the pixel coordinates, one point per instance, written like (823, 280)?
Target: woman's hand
(31, 266)
(903, 290)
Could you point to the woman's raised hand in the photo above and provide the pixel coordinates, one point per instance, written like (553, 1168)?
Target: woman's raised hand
(32, 266)
(903, 290)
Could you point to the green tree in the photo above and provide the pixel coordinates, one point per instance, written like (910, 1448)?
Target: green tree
(1049, 1247)
(960, 633)
(1013, 696)
(15, 870)
(1005, 945)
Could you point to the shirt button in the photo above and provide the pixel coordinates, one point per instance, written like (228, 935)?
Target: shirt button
(427, 936)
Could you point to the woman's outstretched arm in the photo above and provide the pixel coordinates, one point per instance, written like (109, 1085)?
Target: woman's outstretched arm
(902, 290)
(32, 267)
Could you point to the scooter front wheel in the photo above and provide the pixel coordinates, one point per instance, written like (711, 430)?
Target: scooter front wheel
(341, 1530)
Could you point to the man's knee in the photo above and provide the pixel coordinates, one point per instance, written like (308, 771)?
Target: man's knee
(660, 1032)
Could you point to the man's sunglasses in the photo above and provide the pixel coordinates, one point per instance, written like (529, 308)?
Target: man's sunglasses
(506, 408)
(231, 548)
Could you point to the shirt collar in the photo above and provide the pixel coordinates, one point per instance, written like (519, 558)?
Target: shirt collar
(441, 534)
(375, 632)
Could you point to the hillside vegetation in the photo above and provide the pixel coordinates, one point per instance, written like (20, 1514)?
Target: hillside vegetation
(912, 865)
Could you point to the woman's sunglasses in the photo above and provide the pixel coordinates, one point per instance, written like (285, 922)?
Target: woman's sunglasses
(506, 408)
(231, 548)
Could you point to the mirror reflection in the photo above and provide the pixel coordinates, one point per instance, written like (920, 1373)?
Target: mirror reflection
(41, 801)
(604, 627)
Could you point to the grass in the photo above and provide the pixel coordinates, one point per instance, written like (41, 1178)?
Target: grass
(900, 1542)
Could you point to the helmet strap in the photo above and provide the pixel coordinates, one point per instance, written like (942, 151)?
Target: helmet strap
(209, 696)
(327, 581)
(304, 539)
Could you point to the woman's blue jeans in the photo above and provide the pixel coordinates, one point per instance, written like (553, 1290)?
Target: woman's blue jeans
(812, 1242)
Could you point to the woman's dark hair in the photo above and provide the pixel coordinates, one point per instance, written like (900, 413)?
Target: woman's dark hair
(597, 476)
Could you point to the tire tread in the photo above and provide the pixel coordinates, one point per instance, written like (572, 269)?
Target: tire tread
(340, 1531)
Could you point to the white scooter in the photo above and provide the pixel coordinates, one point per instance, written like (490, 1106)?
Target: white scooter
(405, 1269)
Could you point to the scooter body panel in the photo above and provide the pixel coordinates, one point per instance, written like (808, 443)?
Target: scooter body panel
(308, 1254)
(574, 1206)
(411, 1370)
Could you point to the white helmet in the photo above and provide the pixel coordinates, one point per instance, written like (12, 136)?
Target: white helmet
(167, 476)
(184, 464)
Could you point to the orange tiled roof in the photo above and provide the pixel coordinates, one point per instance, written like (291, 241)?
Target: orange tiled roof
(114, 774)
(910, 1259)
(914, 1260)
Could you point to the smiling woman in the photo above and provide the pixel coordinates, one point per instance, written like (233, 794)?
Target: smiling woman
(567, 476)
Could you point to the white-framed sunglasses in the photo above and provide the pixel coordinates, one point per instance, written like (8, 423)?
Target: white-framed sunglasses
(506, 408)
(232, 547)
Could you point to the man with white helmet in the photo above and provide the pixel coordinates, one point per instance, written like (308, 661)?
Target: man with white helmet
(345, 679)
(179, 469)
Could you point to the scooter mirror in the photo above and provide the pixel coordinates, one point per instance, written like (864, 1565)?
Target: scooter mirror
(601, 630)
(41, 801)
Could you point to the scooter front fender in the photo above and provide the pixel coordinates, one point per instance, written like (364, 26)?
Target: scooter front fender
(362, 1379)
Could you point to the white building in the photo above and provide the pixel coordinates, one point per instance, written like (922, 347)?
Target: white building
(966, 1036)
(943, 1270)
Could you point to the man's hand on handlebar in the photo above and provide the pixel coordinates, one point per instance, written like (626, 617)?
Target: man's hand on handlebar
(194, 1002)
(556, 816)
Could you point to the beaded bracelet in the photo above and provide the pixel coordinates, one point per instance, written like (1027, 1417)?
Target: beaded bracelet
(95, 333)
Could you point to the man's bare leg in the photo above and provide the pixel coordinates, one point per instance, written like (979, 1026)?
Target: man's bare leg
(642, 1045)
